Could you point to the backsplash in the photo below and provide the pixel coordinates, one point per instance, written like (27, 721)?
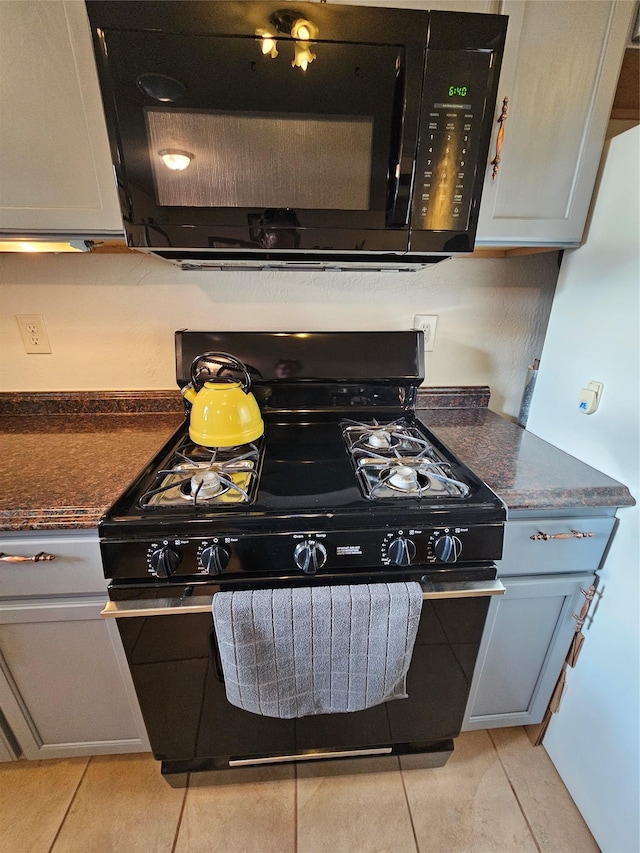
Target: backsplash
(111, 318)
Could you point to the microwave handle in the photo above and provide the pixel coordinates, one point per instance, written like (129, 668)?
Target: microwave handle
(398, 214)
(403, 147)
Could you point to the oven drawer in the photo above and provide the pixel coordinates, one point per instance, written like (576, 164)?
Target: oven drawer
(42, 564)
(540, 546)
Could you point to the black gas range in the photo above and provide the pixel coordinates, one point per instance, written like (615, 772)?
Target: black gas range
(345, 486)
(344, 479)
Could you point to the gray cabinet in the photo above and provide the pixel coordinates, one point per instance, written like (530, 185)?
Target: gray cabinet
(524, 645)
(560, 72)
(9, 749)
(55, 168)
(546, 564)
(65, 688)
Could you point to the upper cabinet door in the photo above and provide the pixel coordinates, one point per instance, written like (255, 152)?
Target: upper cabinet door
(55, 167)
(560, 72)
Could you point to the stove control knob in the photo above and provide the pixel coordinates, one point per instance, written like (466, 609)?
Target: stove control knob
(447, 548)
(310, 556)
(214, 559)
(164, 561)
(401, 551)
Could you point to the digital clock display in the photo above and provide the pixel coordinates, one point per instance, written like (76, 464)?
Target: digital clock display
(458, 90)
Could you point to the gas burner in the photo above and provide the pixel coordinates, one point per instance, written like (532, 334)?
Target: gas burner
(379, 439)
(396, 438)
(206, 484)
(205, 476)
(395, 460)
(404, 479)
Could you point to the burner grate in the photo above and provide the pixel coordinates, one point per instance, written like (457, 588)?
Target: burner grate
(394, 460)
(199, 476)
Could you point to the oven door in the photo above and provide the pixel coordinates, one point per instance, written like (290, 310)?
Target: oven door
(171, 648)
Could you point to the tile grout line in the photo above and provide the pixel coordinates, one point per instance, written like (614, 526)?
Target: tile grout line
(515, 793)
(71, 802)
(180, 816)
(406, 797)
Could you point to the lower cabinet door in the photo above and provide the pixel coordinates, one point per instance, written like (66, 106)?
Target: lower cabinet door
(65, 687)
(526, 639)
(9, 749)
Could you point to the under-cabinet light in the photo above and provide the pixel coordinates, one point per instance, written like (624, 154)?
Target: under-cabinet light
(40, 246)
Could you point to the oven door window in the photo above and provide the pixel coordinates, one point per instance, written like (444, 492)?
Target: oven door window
(214, 131)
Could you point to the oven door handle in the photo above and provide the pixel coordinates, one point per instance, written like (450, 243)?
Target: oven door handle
(158, 607)
(203, 603)
(461, 589)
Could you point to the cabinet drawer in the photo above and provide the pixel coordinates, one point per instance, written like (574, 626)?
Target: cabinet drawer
(76, 567)
(562, 552)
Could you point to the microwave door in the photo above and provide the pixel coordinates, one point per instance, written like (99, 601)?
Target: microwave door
(220, 144)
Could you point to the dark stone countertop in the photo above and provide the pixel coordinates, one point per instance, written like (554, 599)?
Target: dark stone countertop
(65, 462)
(527, 472)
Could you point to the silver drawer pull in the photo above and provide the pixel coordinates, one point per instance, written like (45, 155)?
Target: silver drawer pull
(203, 603)
(18, 558)
(310, 756)
(575, 534)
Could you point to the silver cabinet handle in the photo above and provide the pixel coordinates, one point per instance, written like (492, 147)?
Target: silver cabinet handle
(575, 534)
(203, 603)
(18, 558)
(500, 139)
(589, 595)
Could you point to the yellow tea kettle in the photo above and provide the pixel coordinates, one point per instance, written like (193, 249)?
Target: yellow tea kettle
(224, 413)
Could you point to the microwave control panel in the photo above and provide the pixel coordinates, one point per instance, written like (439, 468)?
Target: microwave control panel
(453, 107)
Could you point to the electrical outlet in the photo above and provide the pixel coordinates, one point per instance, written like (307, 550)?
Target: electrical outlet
(426, 323)
(33, 333)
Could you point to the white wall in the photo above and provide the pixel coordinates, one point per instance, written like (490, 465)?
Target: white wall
(111, 318)
(593, 335)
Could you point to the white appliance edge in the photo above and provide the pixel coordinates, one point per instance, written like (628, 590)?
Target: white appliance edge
(593, 335)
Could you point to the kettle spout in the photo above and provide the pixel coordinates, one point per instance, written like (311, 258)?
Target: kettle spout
(189, 393)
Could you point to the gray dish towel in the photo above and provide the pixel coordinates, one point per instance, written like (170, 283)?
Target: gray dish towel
(316, 650)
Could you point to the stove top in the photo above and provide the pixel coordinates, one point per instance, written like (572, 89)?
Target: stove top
(307, 466)
(301, 502)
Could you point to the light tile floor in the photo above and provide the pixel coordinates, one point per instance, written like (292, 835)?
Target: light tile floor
(496, 793)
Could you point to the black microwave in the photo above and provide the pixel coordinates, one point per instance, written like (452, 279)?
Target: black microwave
(298, 134)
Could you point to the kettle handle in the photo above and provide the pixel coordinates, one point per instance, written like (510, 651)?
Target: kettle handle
(225, 360)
